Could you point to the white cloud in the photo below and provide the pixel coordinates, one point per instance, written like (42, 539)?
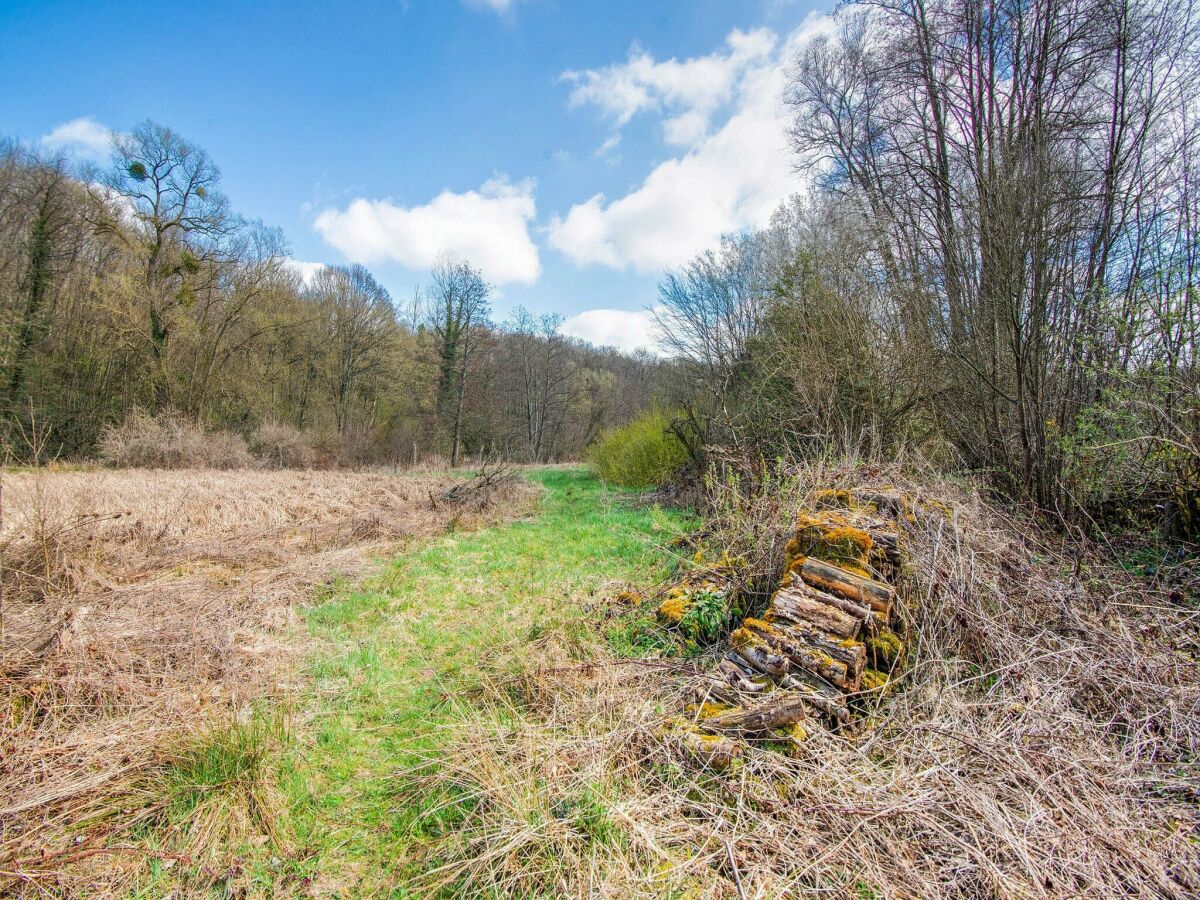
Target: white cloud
(306, 270)
(610, 144)
(687, 92)
(727, 179)
(488, 227)
(624, 329)
(83, 136)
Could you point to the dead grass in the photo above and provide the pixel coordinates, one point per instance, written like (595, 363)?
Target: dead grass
(140, 608)
(1043, 742)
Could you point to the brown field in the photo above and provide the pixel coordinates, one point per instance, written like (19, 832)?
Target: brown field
(140, 605)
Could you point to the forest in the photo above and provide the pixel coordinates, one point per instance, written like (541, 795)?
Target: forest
(996, 268)
(136, 293)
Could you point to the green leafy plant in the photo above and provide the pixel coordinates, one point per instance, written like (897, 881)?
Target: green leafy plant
(706, 616)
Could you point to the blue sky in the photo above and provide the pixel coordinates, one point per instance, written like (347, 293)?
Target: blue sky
(572, 149)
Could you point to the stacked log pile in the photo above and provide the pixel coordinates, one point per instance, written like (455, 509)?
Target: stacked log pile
(827, 644)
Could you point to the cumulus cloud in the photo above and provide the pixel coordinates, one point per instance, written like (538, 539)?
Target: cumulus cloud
(83, 137)
(489, 227)
(624, 329)
(730, 177)
(687, 92)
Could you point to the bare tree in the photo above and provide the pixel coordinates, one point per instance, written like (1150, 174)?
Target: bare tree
(543, 384)
(356, 322)
(42, 220)
(457, 313)
(170, 203)
(1018, 166)
(708, 314)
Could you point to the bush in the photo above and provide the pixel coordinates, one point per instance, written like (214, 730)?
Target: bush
(641, 454)
(281, 446)
(170, 442)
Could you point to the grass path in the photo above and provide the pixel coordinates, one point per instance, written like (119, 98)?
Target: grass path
(407, 643)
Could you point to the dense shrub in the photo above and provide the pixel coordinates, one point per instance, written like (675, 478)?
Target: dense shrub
(643, 453)
(281, 446)
(170, 442)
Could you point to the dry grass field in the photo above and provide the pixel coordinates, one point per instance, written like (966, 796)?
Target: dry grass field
(140, 606)
(496, 713)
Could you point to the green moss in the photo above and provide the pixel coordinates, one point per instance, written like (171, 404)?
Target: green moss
(874, 680)
(885, 649)
(829, 536)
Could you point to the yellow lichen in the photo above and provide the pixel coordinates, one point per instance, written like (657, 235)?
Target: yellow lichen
(821, 657)
(758, 625)
(672, 609)
(744, 638)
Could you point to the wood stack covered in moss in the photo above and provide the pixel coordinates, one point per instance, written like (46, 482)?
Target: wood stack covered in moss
(826, 640)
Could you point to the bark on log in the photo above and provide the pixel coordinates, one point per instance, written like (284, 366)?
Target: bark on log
(779, 709)
(858, 610)
(853, 654)
(847, 584)
(793, 645)
(833, 706)
(804, 606)
(709, 751)
(738, 679)
(759, 657)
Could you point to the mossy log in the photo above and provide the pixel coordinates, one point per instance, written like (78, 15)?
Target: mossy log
(801, 604)
(836, 580)
(858, 610)
(708, 750)
(779, 709)
(830, 536)
(756, 655)
(854, 654)
(796, 647)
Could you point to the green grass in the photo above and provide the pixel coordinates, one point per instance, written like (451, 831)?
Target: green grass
(408, 645)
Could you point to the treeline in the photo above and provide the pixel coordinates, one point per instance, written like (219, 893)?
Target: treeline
(996, 266)
(136, 292)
